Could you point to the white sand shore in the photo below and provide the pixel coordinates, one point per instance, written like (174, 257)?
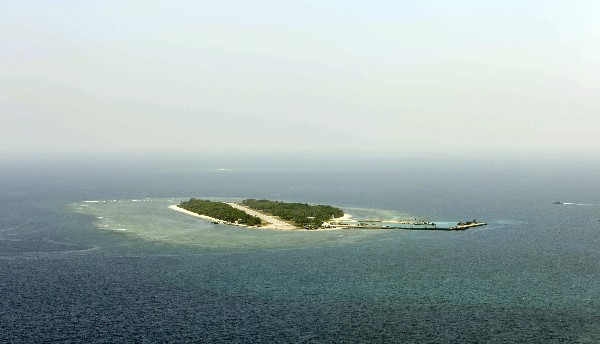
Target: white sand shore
(204, 217)
(273, 223)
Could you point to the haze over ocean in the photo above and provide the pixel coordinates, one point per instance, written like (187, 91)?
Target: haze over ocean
(529, 276)
(112, 111)
(301, 77)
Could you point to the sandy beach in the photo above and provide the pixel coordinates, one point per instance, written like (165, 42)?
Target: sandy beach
(204, 217)
(273, 223)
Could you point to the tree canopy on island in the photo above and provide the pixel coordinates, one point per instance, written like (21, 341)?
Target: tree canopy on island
(301, 214)
(221, 211)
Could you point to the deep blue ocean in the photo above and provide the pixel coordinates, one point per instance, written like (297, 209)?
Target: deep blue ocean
(122, 267)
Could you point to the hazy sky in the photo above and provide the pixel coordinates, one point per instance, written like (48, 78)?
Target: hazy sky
(374, 77)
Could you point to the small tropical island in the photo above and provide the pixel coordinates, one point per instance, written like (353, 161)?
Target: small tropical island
(263, 213)
(301, 215)
(295, 216)
(220, 212)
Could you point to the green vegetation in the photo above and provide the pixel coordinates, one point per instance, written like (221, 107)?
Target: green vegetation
(301, 214)
(220, 211)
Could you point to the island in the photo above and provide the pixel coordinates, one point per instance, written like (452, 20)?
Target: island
(296, 216)
(220, 212)
(262, 213)
(301, 215)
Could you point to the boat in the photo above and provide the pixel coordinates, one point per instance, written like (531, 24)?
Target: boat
(558, 203)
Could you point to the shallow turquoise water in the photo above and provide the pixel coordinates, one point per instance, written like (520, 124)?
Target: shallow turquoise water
(139, 272)
(152, 220)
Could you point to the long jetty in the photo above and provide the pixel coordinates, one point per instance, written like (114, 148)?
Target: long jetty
(407, 225)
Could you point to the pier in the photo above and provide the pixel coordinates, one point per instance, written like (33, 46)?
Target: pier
(406, 225)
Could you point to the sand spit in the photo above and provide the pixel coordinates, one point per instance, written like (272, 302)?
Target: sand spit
(204, 217)
(273, 222)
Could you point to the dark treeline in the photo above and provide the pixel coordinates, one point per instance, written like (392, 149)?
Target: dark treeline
(301, 214)
(220, 211)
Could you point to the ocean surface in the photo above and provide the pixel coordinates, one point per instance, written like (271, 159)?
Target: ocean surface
(90, 252)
